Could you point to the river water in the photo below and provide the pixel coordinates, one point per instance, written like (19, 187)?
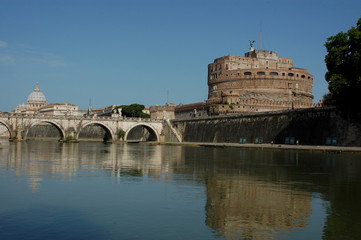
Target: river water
(91, 190)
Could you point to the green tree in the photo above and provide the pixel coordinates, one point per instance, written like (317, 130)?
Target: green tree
(134, 110)
(343, 62)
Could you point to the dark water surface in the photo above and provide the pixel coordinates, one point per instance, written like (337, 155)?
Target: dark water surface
(50, 190)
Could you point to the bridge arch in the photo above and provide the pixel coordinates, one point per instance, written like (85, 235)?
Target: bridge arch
(53, 123)
(154, 135)
(109, 135)
(11, 133)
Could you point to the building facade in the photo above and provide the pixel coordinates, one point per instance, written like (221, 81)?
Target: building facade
(59, 109)
(259, 81)
(162, 112)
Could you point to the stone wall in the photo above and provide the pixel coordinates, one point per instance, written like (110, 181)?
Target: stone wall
(92, 132)
(314, 126)
(43, 131)
(168, 135)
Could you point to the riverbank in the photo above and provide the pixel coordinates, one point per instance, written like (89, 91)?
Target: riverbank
(331, 149)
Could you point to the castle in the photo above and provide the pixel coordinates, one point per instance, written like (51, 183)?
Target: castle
(258, 82)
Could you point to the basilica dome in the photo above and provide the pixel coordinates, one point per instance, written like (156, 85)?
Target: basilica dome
(36, 96)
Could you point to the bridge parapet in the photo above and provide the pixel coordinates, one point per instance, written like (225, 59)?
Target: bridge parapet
(19, 124)
(72, 117)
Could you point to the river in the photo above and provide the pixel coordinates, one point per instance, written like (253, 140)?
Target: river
(92, 190)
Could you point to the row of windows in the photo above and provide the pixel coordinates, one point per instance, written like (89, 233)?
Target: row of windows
(261, 73)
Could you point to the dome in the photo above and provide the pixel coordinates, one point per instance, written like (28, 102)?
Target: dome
(37, 96)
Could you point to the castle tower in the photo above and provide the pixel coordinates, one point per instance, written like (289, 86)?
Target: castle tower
(259, 81)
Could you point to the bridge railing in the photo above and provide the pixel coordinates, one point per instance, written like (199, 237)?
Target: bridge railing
(67, 117)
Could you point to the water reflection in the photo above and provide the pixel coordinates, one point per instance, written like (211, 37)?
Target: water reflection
(254, 209)
(250, 194)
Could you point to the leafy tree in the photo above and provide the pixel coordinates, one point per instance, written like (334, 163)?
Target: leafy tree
(133, 110)
(343, 61)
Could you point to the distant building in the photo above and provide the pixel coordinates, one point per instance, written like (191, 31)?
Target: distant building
(36, 103)
(36, 100)
(191, 110)
(59, 109)
(146, 110)
(107, 111)
(162, 112)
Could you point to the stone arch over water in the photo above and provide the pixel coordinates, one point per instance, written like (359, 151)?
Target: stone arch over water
(11, 133)
(107, 136)
(58, 127)
(137, 133)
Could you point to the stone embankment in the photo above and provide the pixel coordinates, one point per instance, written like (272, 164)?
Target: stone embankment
(313, 126)
(329, 149)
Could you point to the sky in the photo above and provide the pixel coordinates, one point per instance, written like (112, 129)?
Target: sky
(115, 52)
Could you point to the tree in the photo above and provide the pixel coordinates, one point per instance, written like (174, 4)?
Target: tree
(133, 110)
(343, 62)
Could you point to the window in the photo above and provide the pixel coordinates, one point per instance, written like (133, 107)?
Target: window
(261, 73)
(273, 73)
(247, 73)
(290, 74)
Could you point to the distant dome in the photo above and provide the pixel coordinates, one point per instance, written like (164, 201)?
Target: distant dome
(36, 96)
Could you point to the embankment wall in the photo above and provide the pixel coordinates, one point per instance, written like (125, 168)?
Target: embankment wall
(314, 126)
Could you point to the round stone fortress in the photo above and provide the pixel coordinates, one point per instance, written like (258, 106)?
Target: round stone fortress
(259, 81)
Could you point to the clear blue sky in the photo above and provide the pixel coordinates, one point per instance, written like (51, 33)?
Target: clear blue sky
(123, 52)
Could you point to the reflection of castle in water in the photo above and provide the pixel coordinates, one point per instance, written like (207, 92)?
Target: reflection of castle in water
(247, 197)
(256, 209)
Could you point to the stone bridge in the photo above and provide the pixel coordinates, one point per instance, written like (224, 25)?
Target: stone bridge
(69, 127)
